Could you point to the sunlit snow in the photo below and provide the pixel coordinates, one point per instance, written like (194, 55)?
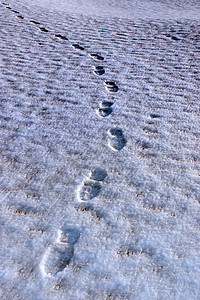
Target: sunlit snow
(99, 124)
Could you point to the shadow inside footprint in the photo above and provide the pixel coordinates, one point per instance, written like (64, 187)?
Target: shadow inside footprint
(117, 141)
(99, 70)
(175, 38)
(43, 29)
(106, 104)
(62, 37)
(104, 112)
(111, 86)
(98, 174)
(15, 11)
(20, 17)
(153, 116)
(68, 234)
(88, 190)
(78, 47)
(34, 22)
(59, 255)
(96, 56)
(109, 83)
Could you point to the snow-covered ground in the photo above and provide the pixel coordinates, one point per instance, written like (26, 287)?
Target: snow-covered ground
(99, 150)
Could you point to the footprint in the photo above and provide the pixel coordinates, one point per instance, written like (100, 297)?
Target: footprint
(96, 56)
(153, 116)
(35, 22)
(90, 188)
(99, 70)
(8, 7)
(59, 255)
(175, 38)
(117, 140)
(111, 86)
(43, 29)
(78, 47)
(62, 37)
(106, 104)
(104, 112)
(15, 11)
(98, 174)
(105, 109)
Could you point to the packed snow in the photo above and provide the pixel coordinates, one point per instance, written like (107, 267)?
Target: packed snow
(99, 126)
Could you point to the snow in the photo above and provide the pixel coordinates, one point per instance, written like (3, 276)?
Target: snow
(99, 187)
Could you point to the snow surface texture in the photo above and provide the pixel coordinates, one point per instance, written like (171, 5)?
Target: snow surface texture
(99, 150)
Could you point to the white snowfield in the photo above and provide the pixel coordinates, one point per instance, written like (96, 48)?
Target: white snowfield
(99, 125)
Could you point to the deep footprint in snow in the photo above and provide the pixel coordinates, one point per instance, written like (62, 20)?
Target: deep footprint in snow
(20, 17)
(175, 38)
(98, 174)
(96, 56)
(111, 86)
(104, 111)
(78, 47)
(90, 188)
(15, 11)
(35, 22)
(43, 29)
(59, 254)
(154, 116)
(117, 140)
(99, 70)
(106, 104)
(62, 37)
